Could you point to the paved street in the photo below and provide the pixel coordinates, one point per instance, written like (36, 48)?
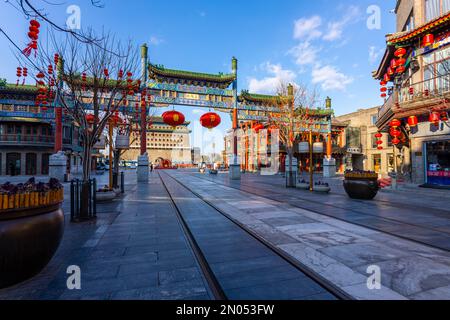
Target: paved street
(253, 235)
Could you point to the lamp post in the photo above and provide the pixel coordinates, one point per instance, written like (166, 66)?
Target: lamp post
(110, 131)
(311, 167)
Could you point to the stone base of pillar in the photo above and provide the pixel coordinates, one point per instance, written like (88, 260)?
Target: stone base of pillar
(235, 172)
(142, 169)
(329, 168)
(58, 166)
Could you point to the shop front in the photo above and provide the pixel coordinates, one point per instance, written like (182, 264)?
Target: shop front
(437, 155)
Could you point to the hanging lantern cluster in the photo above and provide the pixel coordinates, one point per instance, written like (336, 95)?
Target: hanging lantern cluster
(41, 98)
(130, 84)
(395, 131)
(173, 118)
(19, 75)
(379, 136)
(210, 120)
(383, 88)
(396, 66)
(33, 34)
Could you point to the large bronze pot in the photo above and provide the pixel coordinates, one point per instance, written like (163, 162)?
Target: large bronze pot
(362, 189)
(28, 240)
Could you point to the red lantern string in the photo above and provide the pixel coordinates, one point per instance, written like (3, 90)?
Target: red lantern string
(19, 75)
(33, 34)
(25, 74)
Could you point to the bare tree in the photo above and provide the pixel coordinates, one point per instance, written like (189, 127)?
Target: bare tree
(90, 83)
(289, 98)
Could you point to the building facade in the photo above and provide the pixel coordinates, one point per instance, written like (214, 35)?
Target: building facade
(163, 143)
(27, 134)
(361, 146)
(414, 75)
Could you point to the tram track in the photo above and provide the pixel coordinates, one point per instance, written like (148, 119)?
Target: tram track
(276, 197)
(214, 283)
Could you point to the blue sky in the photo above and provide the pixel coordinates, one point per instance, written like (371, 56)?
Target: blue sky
(321, 43)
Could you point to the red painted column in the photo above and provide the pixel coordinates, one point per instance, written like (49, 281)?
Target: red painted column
(58, 130)
(143, 129)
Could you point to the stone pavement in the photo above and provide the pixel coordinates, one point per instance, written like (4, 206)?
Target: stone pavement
(339, 251)
(135, 250)
(421, 215)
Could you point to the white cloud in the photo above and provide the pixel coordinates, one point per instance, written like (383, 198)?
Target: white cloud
(304, 53)
(374, 54)
(270, 84)
(307, 29)
(155, 41)
(330, 78)
(336, 28)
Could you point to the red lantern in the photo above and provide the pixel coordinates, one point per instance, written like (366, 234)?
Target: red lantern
(50, 69)
(435, 118)
(379, 142)
(444, 116)
(173, 118)
(120, 74)
(380, 147)
(379, 135)
(395, 123)
(401, 69)
(395, 141)
(383, 95)
(428, 40)
(411, 91)
(395, 133)
(394, 64)
(90, 118)
(210, 120)
(258, 127)
(383, 89)
(383, 83)
(106, 73)
(40, 75)
(401, 62)
(400, 52)
(413, 121)
(426, 92)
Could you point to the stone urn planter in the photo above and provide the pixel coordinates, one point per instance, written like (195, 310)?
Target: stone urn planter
(105, 196)
(31, 229)
(303, 186)
(361, 185)
(322, 189)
